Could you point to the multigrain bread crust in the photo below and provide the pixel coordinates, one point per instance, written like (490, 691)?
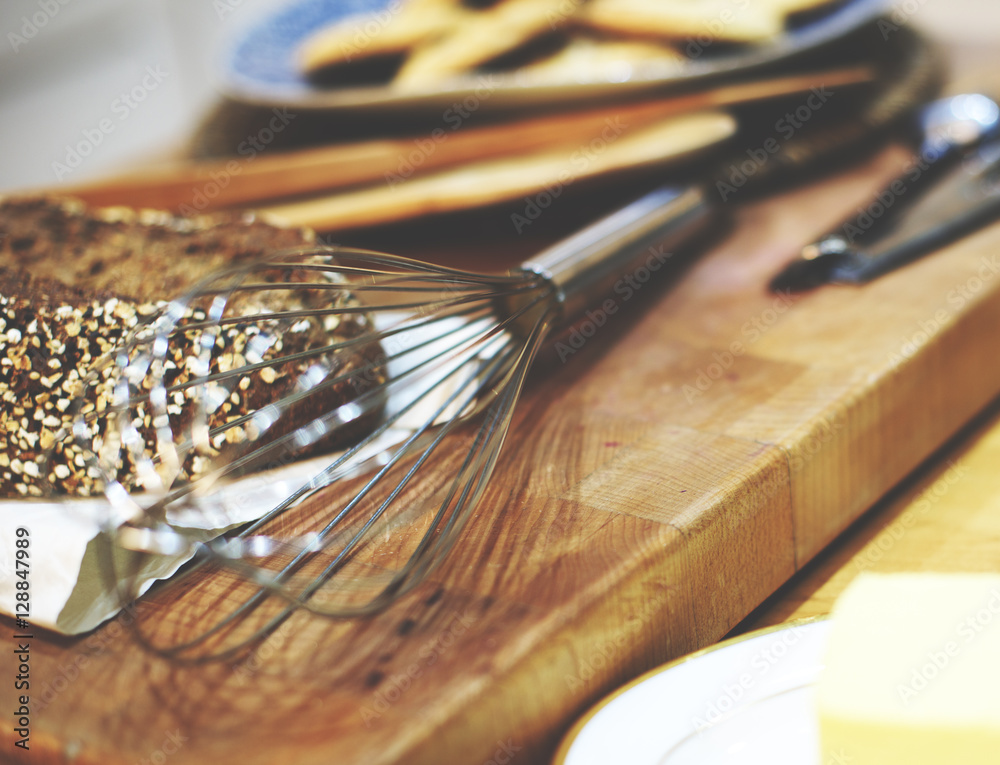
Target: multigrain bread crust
(74, 282)
(144, 254)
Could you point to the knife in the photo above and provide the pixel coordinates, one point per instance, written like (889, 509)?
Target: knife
(949, 189)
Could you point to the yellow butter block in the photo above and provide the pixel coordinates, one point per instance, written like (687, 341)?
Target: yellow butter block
(913, 672)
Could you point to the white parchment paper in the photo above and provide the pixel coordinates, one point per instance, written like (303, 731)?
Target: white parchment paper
(70, 590)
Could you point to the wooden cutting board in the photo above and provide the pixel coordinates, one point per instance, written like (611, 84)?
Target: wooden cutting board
(657, 485)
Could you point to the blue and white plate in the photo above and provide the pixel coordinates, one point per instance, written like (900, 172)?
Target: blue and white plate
(258, 64)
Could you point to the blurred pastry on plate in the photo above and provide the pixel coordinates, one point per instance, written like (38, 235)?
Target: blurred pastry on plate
(423, 43)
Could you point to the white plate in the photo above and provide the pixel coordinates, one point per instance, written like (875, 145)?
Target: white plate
(747, 701)
(258, 64)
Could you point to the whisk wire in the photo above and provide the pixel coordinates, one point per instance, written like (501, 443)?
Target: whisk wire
(480, 461)
(467, 484)
(411, 369)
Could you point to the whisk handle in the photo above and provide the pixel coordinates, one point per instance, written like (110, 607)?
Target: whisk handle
(636, 239)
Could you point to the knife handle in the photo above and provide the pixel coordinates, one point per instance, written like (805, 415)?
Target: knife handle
(942, 195)
(938, 154)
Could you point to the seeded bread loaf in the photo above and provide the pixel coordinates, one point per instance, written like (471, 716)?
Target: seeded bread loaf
(145, 254)
(74, 282)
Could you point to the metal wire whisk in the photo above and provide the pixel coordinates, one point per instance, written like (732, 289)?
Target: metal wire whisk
(409, 371)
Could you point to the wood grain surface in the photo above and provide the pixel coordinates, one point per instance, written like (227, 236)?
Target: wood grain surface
(659, 484)
(945, 517)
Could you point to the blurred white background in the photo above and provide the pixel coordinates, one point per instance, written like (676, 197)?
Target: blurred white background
(62, 78)
(65, 77)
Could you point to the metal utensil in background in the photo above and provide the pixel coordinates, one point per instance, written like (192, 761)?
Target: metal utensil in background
(947, 191)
